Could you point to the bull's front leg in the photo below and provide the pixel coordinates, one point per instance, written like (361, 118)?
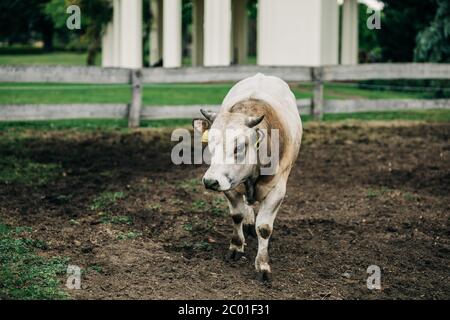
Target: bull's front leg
(264, 227)
(243, 219)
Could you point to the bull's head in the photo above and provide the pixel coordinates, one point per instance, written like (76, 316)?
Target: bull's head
(233, 141)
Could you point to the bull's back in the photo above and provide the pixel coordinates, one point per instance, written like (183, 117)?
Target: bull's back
(277, 94)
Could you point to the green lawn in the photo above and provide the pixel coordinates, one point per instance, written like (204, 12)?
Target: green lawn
(104, 124)
(173, 94)
(54, 58)
(24, 274)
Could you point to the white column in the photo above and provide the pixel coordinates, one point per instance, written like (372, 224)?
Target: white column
(349, 37)
(156, 8)
(297, 32)
(240, 31)
(330, 32)
(131, 34)
(116, 32)
(108, 46)
(198, 13)
(217, 33)
(172, 34)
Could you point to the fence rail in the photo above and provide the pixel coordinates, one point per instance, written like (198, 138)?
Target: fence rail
(137, 78)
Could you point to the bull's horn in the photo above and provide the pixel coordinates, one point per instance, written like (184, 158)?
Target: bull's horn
(254, 121)
(209, 115)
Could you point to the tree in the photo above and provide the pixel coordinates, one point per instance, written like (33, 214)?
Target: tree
(22, 21)
(95, 15)
(433, 43)
(400, 24)
(369, 46)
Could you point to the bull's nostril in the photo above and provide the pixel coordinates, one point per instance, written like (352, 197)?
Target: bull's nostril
(211, 184)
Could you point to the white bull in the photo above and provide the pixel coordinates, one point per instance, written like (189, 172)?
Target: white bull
(254, 105)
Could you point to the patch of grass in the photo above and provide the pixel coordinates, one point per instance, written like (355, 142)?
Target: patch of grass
(74, 222)
(190, 185)
(188, 226)
(219, 207)
(197, 246)
(198, 226)
(130, 235)
(122, 220)
(13, 127)
(377, 192)
(87, 125)
(168, 94)
(202, 246)
(155, 207)
(411, 115)
(23, 273)
(346, 91)
(119, 220)
(106, 199)
(409, 196)
(176, 202)
(36, 57)
(198, 205)
(27, 172)
(96, 268)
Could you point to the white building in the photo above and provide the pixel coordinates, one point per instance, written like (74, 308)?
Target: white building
(289, 32)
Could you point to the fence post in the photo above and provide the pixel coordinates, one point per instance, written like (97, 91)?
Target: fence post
(317, 100)
(136, 100)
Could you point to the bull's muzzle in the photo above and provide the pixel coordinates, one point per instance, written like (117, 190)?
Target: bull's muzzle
(211, 184)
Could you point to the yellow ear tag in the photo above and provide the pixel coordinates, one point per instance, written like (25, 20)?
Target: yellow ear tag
(257, 143)
(205, 136)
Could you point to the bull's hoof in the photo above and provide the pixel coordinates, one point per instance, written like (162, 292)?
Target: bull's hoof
(264, 276)
(234, 255)
(249, 230)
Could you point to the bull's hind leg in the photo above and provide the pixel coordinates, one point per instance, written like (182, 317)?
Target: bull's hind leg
(264, 227)
(243, 219)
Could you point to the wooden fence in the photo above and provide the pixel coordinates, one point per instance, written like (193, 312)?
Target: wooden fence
(135, 111)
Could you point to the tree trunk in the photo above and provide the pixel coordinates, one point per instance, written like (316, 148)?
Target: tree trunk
(47, 36)
(92, 51)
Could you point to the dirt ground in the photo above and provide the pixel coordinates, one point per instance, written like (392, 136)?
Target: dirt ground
(361, 194)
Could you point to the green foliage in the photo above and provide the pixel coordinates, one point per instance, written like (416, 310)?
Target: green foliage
(106, 199)
(95, 15)
(188, 226)
(23, 21)
(23, 273)
(377, 192)
(121, 220)
(190, 185)
(198, 205)
(219, 208)
(130, 235)
(369, 46)
(433, 43)
(401, 22)
(96, 268)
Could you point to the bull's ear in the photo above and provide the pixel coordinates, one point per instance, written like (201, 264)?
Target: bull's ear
(200, 125)
(209, 115)
(254, 121)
